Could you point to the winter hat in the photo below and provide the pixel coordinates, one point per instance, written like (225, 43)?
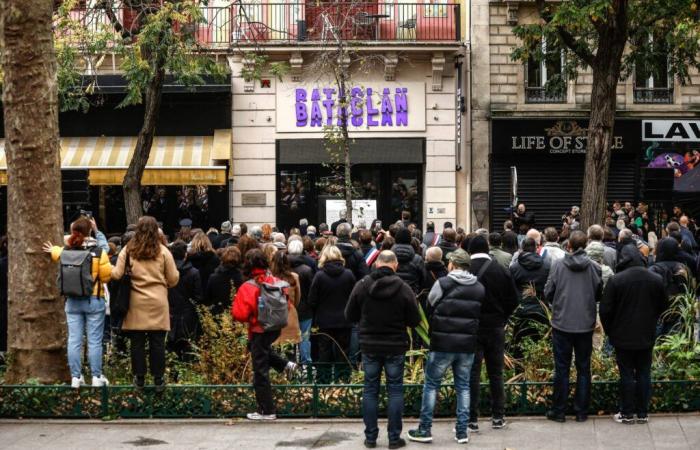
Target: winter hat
(460, 258)
(478, 244)
(403, 236)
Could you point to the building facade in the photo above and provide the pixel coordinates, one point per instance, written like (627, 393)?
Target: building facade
(518, 123)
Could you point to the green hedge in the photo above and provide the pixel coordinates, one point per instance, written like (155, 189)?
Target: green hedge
(302, 400)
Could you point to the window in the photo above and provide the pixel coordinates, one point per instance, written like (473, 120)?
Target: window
(653, 82)
(544, 81)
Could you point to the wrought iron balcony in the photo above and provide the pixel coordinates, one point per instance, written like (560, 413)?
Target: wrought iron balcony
(253, 23)
(540, 95)
(660, 96)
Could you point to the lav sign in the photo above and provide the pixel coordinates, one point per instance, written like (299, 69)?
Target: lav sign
(671, 130)
(372, 106)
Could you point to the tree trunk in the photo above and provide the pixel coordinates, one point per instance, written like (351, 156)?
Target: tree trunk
(342, 79)
(37, 325)
(606, 73)
(132, 180)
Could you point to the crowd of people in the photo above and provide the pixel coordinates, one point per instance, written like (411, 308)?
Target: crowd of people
(359, 288)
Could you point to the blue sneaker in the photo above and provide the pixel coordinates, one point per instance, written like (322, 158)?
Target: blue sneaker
(419, 435)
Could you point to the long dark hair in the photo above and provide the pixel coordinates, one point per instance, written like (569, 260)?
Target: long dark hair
(79, 231)
(254, 259)
(280, 267)
(146, 242)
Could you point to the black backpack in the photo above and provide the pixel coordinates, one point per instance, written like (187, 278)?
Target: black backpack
(675, 277)
(75, 274)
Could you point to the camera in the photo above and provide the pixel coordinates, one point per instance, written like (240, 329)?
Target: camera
(85, 213)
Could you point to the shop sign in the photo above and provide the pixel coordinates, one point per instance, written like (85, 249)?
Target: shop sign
(671, 130)
(557, 137)
(383, 106)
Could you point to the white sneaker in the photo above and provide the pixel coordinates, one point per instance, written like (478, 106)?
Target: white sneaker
(619, 418)
(258, 416)
(291, 370)
(100, 381)
(75, 383)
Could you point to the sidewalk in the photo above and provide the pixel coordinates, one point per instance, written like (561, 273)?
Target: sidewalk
(662, 432)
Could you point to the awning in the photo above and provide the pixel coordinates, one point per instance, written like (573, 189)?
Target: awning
(174, 160)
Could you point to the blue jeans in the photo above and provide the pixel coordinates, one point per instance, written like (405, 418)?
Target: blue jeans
(564, 345)
(393, 368)
(438, 363)
(305, 344)
(85, 316)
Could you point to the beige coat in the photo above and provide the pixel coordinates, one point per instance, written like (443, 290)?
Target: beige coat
(150, 280)
(291, 334)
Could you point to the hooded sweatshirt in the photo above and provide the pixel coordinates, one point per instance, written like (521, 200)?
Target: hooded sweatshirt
(329, 293)
(384, 306)
(596, 251)
(410, 267)
(529, 271)
(455, 301)
(573, 288)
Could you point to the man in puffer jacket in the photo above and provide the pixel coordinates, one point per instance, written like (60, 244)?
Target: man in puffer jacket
(411, 265)
(456, 306)
(353, 257)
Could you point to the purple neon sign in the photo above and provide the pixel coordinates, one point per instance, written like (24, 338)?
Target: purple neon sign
(320, 107)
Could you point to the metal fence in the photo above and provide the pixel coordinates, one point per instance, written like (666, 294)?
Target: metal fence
(261, 23)
(299, 400)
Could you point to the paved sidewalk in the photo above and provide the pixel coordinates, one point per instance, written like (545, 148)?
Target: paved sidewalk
(662, 432)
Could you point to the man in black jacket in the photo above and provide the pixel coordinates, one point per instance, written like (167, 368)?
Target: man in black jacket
(353, 258)
(306, 315)
(447, 243)
(183, 300)
(410, 267)
(454, 323)
(384, 306)
(632, 303)
(500, 302)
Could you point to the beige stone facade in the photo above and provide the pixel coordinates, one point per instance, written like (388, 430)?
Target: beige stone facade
(498, 85)
(258, 113)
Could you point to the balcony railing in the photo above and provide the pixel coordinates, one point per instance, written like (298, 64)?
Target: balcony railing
(263, 23)
(661, 96)
(540, 95)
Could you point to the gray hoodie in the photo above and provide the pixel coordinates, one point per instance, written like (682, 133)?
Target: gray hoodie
(573, 288)
(462, 277)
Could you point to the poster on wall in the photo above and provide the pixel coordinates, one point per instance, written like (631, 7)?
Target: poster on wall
(361, 209)
(373, 106)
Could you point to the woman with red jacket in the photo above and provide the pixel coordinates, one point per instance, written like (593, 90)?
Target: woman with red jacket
(245, 309)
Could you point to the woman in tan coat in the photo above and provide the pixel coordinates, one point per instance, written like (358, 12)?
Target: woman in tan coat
(280, 268)
(153, 271)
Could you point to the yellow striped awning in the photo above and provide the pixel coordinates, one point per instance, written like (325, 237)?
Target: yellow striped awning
(174, 160)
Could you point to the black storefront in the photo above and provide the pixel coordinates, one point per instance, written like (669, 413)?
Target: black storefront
(387, 171)
(549, 156)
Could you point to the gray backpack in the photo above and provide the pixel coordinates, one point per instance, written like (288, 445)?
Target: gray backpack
(273, 308)
(75, 274)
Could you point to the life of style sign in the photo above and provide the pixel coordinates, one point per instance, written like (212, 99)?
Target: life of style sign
(376, 106)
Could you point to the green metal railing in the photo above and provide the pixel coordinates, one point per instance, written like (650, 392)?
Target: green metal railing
(298, 400)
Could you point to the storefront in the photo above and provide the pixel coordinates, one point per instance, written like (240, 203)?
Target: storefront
(549, 157)
(402, 149)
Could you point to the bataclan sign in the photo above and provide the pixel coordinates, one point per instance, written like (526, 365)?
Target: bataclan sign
(557, 137)
(671, 130)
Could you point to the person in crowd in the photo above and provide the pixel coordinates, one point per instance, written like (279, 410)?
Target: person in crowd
(224, 282)
(303, 226)
(367, 248)
(686, 233)
(431, 238)
(502, 257)
(310, 249)
(203, 258)
(352, 257)
(153, 272)
(225, 235)
(266, 233)
(334, 225)
(256, 233)
(323, 229)
(633, 301)
(596, 233)
(552, 249)
(310, 232)
(500, 300)
(456, 302)
(509, 242)
(448, 243)
(182, 301)
(282, 269)
(269, 250)
(530, 272)
(328, 296)
(523, 218)
(235, 237)
(305, 314)
(573, 288)
(625, 239)
(387, 243)
(384, 306)
(674, 275)
(411, 265)
(245, 309)
(85, 316)
(246, 243)
(434, 269)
